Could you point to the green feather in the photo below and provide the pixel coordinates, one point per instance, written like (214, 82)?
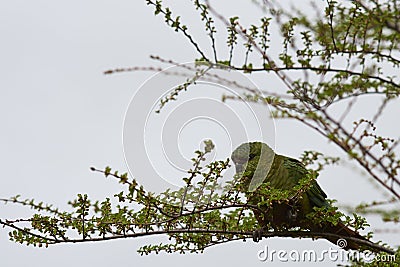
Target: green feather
(258, 164)
(263, 168)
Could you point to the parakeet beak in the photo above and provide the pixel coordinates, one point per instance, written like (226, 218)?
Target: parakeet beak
(239, 167)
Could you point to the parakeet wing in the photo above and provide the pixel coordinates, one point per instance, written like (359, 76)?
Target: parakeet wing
(297, 171)
(317, 196)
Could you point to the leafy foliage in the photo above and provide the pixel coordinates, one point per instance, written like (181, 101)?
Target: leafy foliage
(332, 59)
(199, 215)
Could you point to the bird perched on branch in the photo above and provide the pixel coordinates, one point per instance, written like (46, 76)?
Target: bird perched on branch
(285, 193)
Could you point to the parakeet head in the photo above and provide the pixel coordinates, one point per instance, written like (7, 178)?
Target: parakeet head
(244, 153)
(254, 161)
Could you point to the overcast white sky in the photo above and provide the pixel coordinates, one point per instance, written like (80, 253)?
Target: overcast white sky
(60, 115)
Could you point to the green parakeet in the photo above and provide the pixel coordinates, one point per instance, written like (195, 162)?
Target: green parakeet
(258, 165)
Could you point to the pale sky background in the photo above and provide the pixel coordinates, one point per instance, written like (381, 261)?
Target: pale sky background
(60, 115)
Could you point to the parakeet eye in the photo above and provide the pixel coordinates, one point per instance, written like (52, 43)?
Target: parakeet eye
(240, 160)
